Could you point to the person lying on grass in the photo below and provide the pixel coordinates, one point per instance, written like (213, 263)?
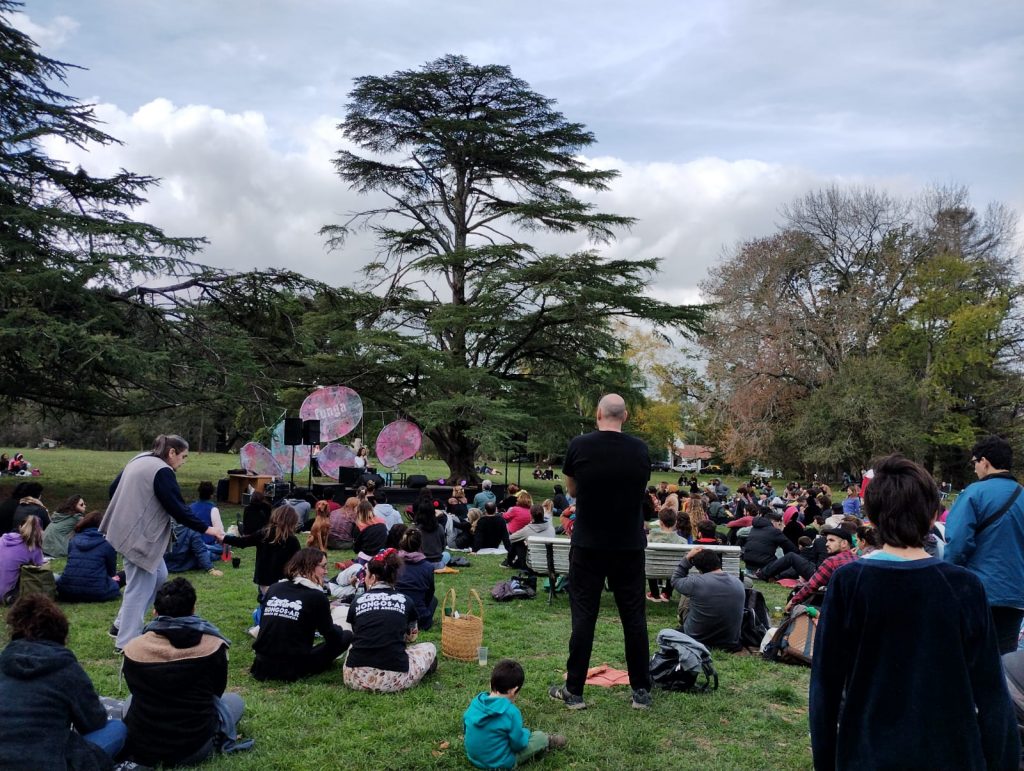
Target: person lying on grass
(495, 734)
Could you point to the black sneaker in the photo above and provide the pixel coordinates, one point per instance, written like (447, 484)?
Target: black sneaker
(113, 631)
(642, 699)
(571, 700)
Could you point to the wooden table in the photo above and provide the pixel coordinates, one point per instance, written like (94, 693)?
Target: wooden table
(239, 483)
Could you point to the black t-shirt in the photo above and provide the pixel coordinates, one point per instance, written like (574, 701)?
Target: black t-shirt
(611, 470)
(380, 619)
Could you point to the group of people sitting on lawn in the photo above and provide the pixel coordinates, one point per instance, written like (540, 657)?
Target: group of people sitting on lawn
(176, 665)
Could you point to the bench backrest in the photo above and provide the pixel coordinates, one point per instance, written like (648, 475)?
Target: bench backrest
(661, 558)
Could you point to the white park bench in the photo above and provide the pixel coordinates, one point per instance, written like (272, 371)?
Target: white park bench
(550, 556)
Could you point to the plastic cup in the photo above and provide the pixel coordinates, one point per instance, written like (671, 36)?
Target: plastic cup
(236, 561)
(481, 656)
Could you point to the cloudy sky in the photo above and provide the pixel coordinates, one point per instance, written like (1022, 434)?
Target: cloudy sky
(715, 112)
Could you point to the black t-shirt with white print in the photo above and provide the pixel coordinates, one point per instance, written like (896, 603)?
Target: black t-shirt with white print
(381, 618)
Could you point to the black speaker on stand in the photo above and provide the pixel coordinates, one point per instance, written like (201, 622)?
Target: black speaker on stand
(293, 437)
(310, 436)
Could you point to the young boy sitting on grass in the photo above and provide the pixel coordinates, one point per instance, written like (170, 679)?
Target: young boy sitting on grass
(495, 735)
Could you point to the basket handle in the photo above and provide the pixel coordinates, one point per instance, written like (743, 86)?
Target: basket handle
(445, 602)
(469, 604)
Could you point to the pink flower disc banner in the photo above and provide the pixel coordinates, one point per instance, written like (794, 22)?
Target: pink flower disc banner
(283, 453)
(398, 441)
(333, 457)
(257, 459)
(338, 408)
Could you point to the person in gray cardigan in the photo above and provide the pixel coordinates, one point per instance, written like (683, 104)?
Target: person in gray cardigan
(144, 499)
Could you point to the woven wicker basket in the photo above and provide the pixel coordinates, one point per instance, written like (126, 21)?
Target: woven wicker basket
(460, 637)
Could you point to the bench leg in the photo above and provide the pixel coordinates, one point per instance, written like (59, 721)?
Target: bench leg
(552, 575)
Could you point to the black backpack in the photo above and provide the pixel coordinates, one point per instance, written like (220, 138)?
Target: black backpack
(680, 662)
(756, 621)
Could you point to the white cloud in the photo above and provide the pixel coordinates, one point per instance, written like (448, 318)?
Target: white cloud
(50, 36)
(226, 176)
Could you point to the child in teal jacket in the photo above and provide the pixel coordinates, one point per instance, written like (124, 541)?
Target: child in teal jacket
(495, 734)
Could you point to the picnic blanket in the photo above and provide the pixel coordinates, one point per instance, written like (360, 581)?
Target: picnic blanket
(606, 676)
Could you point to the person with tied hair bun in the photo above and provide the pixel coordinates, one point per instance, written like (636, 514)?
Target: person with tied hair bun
(293, 612)
(89, 575)
(384, 622)
(904, 637)
(144, 499)
(416, 578)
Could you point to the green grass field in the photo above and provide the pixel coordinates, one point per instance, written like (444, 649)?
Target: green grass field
(757, 719)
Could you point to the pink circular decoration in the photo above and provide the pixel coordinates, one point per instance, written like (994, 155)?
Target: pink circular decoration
(398, 441)
(335, 456)
(339, 410)
(257, 459)
(283, 453)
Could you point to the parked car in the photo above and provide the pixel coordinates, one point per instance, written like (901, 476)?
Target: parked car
(767, 473)
(712, 469)
(687, 466)
(661, 465)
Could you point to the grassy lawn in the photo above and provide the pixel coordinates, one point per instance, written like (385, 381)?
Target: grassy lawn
(757, 719)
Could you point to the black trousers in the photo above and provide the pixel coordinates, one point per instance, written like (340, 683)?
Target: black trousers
(791, 562)
(319, 659)
(624, 571)
(1007, 622)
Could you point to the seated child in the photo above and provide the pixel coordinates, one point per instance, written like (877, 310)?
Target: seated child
(495, 735)
(805, 546)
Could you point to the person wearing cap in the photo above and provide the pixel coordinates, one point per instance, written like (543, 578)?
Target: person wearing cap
(839, 542)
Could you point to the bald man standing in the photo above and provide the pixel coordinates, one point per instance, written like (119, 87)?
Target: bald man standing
(607, 472)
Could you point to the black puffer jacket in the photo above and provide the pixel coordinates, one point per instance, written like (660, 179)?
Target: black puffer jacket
(762, 542)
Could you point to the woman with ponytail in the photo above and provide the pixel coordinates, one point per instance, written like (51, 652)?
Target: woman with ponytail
(144, 499)
(385, 656)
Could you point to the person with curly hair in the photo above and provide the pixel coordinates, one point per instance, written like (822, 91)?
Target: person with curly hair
(49, 710)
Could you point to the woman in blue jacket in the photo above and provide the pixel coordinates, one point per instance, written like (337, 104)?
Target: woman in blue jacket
(89, 575)
(416, 578)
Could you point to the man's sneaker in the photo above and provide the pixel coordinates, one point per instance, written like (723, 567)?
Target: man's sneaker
(131, 765)
(642, 699)
(571, 700)
(666, 597)
(556, 741)
(113, 631)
